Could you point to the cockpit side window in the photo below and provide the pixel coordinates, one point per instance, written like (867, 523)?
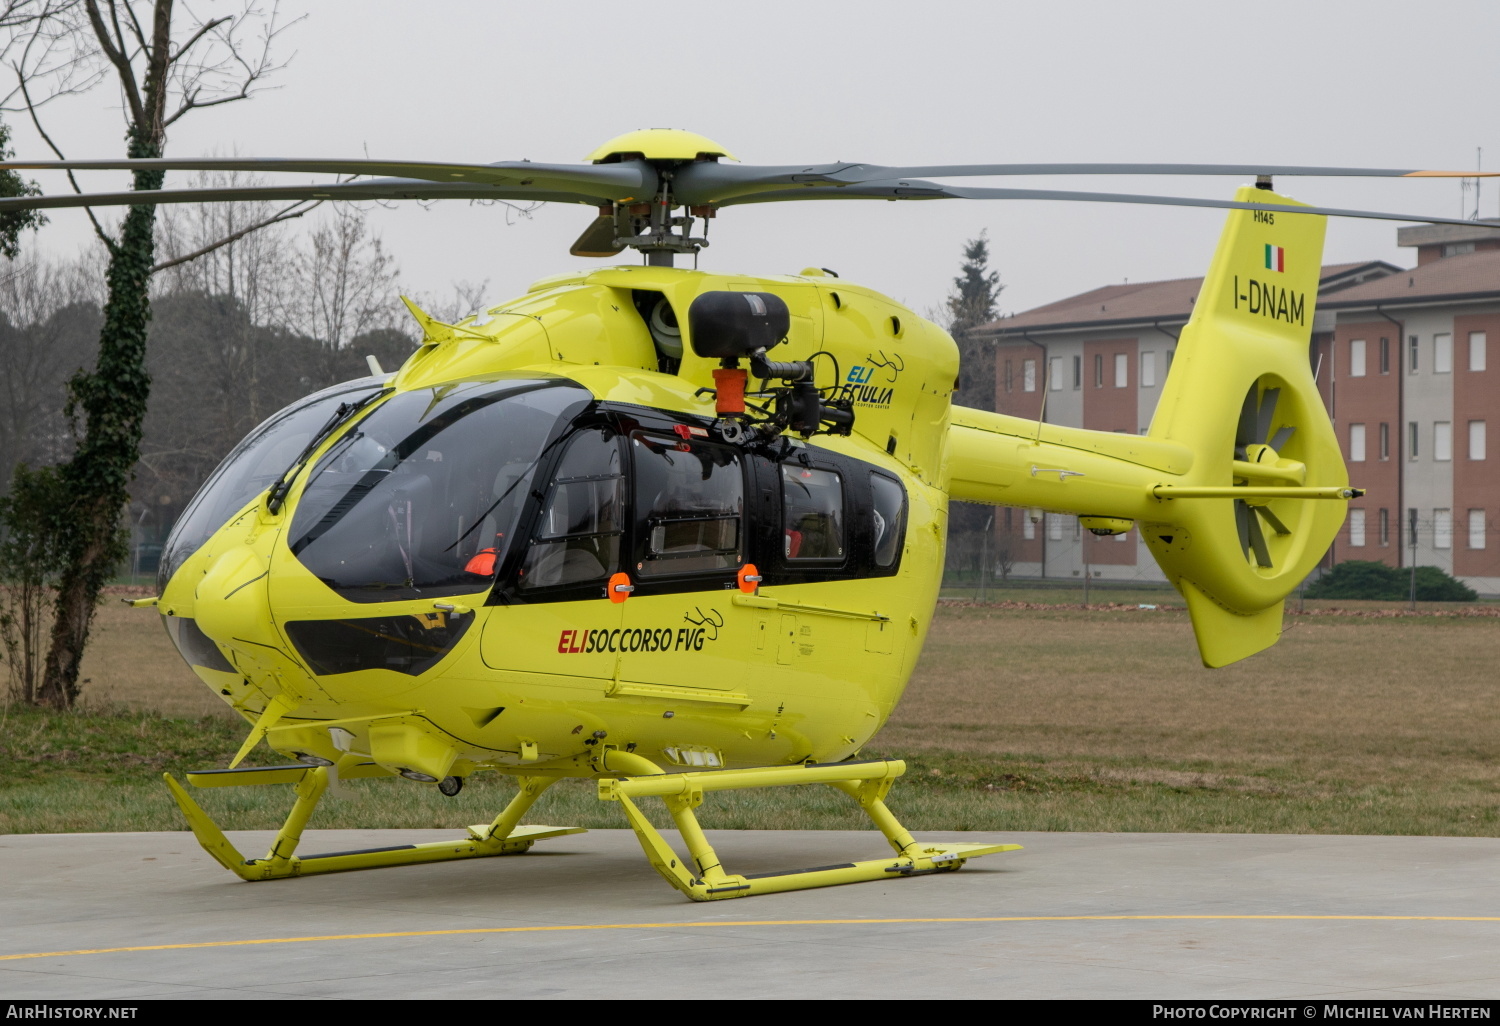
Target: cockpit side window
(888, 511)
(577, 536)
(812, 513)
(420, 499)
(251, 467)
(689, 502)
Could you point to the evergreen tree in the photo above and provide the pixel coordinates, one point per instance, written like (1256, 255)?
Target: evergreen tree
(971, 304)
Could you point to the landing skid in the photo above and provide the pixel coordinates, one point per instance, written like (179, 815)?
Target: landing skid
(704, 878)
(624, 778)
(502, 836)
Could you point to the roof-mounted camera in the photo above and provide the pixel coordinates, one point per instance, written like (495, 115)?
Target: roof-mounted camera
(734, 326)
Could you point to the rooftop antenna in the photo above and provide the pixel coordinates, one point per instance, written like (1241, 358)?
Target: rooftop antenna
(1464, 187)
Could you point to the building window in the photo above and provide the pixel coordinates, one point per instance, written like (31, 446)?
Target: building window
(1476, 440)
(1028, 375)
(1442, 353)
(1170, 353)
(1122, 370)
(1009, 379)
(1385, 527)
(1385, 356)
(1476, 350)
(1442, 529)
(1357, 358)
(1077, 373)
(1055, 374)
(1356, 443)
(1098, 370)
(1385, 441)
(1054, 526)
(1123, 536)
(1148, 369)
(1476, 528)
(1442, 440)
(1411, 528)
(1028, 528)
(1451, 249)
(1411, 440)
(1412, 351)
(1357, 528)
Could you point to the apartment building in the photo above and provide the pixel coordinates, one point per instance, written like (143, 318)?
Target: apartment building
(1415, 403)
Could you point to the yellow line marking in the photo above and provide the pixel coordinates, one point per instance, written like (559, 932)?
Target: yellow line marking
(721, 923)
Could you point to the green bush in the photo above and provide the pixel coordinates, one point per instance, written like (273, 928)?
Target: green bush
(1366, 579)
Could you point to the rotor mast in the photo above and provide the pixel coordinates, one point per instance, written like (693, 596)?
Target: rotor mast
(653, 226)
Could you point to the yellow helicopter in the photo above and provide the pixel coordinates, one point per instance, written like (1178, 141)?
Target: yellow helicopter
(682, 531)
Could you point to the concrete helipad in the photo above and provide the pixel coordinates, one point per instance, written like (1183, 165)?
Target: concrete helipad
(1073, 915)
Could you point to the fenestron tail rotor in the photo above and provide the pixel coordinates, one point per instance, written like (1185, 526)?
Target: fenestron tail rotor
(1257, 461)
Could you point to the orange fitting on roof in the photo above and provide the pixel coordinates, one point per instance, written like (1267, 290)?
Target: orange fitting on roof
(729, 383)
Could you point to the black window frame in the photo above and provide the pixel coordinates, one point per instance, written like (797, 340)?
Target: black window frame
(508, 589)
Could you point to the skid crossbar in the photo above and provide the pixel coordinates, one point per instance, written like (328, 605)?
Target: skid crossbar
(501, 836)
(704, 878)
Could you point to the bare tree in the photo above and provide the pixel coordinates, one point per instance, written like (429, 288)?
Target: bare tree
(348, 286)
(238, 254)
(165, 66)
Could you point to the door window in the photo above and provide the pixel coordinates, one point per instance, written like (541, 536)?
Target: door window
(690, 500)
(813, 513)
(577, 537)
(889, 512)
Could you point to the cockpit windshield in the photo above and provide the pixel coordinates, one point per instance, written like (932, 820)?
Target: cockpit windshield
(420, 499)
(254, 464)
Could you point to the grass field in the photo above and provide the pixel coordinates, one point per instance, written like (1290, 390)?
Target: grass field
(1022, 715)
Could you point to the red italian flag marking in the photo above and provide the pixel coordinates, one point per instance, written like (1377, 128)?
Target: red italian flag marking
(1275, 258)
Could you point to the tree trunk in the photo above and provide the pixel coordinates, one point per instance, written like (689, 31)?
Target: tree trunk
(113, 401)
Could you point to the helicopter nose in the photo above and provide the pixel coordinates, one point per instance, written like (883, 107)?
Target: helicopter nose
(233, 605)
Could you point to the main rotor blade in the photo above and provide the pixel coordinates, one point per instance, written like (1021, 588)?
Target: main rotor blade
(920, 190)
(716, 183)
(610, 182)
(1250, 170)
(378, 189)
(1267, 414)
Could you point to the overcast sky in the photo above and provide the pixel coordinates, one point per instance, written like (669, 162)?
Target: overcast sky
(1385, 83)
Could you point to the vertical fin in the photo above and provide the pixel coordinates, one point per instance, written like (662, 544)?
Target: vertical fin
(1225, 637)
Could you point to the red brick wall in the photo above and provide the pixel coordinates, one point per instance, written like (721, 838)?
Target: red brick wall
(1012, 536)
(1015, 401)
(1109, 408)
(1369, 400)
(1476, 483)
